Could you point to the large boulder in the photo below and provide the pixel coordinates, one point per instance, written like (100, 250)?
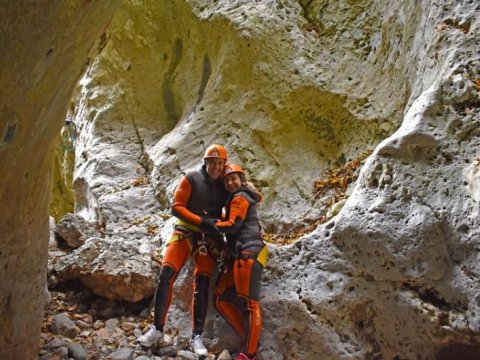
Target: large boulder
(120, 271)
(74, 230)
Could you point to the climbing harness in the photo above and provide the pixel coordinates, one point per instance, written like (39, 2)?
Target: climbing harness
(199, 242)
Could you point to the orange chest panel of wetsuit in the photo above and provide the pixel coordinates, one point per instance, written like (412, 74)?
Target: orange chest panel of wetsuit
(241, 225)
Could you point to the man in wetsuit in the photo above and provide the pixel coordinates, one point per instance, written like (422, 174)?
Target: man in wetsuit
(198, 202)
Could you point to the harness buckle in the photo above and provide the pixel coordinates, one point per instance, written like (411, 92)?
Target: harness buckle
(202, 250)
(202, 246)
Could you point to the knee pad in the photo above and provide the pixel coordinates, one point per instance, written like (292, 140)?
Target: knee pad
(167, 273)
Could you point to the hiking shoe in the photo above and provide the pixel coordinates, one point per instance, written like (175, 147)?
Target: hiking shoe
(197, 346)
(151, 337)
(243, 356)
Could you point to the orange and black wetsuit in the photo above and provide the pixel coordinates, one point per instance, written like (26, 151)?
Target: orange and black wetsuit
(237, 288)
(196, 196)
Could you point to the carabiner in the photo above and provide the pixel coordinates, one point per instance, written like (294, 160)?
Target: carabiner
(202, 250)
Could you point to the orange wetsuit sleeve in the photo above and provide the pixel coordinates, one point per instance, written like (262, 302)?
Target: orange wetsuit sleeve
(180, 201)
(238, 212)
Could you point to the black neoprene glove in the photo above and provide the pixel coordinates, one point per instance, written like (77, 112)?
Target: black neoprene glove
(208, 224)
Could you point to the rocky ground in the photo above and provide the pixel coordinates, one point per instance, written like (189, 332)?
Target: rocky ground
(80, 326)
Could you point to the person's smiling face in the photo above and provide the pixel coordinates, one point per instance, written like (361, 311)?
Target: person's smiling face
(215, 167)
(232, 182)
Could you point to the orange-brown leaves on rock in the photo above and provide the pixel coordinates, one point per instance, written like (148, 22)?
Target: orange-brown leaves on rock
(141, 180)
(476, 82)
(290, 238)
(338, 179)
(454, 24)
(334, 182)
(165, 216)
(152, 229)
(156, 259)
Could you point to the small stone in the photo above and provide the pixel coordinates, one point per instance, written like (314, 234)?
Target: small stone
(82, 324)
(181, 342)
(122, 354)
(76, 351)
(98, 324)
(224, 355)
(128, 326)
(63, 325)
(186, 355)
(73, 229)
(124, 343)
(55, 343)
(61, 353)
(168, 351)
(112, 323)
(167, 340)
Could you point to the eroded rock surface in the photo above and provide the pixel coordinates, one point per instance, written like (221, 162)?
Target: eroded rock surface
(44, 50)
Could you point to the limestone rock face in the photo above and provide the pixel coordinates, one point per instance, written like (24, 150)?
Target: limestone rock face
(258, 82)
(40, 65)
(292, 88)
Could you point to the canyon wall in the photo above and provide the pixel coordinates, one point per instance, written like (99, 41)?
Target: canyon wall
(43, 53)
(291, 88)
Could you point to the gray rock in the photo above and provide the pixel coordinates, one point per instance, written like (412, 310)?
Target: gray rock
(55, 343)
(76, 351)
(112, 323)
(224, 355)
(168, 351)
(63, 325)
(122, 354)
(111, 268)
(82, 324)
(186, 355)
(181, 342)
(74, 230)
(60, 353)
